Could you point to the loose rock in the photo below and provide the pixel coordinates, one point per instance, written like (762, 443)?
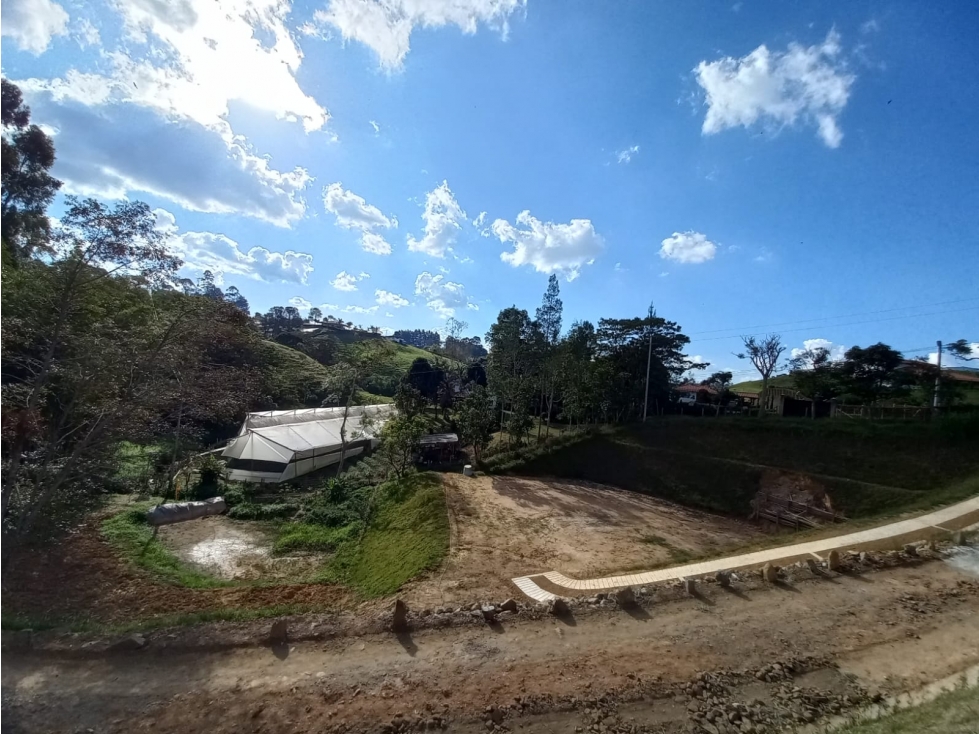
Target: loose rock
(510, 605)
(833, 561)
(625, 597)
(770, 573)
(558, 607)
(279, 633)
(133, 642)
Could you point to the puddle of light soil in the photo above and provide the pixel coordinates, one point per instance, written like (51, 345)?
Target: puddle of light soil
(232, 550)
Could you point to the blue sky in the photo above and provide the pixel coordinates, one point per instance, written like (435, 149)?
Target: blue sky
(812, 169)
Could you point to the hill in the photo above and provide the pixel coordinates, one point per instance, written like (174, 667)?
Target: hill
(295, 379)
(754, 386)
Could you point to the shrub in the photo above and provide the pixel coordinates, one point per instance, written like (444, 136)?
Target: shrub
(255, 511)
(332, 516)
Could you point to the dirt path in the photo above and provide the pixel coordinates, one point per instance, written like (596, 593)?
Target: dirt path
(502, 527)
(894, 628)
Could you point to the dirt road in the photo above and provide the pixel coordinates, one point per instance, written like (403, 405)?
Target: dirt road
(502, 527)
(892, 629)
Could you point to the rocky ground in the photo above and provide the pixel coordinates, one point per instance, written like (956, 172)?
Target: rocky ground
(755, 657)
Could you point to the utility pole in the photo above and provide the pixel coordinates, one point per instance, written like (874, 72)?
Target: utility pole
(938, 380)
(649, 359)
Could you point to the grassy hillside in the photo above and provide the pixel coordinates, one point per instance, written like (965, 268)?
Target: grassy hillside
(719, 464)
(391, 359)
(295, 378)
(754, 386)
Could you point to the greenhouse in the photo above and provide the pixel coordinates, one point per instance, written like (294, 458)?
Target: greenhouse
(278, 445)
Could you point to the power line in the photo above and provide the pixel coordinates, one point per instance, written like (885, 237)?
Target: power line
(841, 316)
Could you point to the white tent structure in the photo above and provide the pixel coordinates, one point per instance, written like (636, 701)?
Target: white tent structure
(278, 445)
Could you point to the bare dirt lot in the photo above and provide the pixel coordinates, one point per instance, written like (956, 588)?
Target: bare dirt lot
(233, 550)
(659, 668)
(503, 527)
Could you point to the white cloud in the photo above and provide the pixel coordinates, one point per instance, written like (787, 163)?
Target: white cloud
(480, 220)
(345, 281)
(443, 221)
(363, 275)
(33, 23)
(625, 156)
(441, 295)
(688, 247)
(802, 84)
(836, 351)
(377, 128)
(301, 303)
(664, 274)
(870, 26)
(549, 247)
(764, 256)
(360, 309)
(87, 34)
(385, 26)
(387, 298)
(353, 212)
(225, 258)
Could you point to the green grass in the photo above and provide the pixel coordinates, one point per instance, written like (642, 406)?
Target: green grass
(390, 359)
(296, 379)
(135, 461)
(133, 539)
(754, 386)
(311, 537)
(408, 535)
(956, 712)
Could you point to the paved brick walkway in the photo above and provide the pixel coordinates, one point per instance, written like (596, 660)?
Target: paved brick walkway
(893, 535)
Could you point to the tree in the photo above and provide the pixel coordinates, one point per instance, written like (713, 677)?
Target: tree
(341, 384)
(233, 296)
(548, 320)
(83, 350)
(815, 375)
(408, 400)
(207, 288)
(874, 373)
(964, 350)
(575, 371)
(764, 354)
(315, 315)
(399, 438)
(476, 421)
(27, 187)
(511, 364)
(425, 378)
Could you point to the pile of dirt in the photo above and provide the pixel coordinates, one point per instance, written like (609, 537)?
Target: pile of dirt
(82, 577)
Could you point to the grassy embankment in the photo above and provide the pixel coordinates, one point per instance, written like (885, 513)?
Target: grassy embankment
(869, 469)
(955, 712)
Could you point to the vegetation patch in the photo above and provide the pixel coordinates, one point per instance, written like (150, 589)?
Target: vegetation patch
(955, 712)
(130, 534)
(408, 534)
(312, 537)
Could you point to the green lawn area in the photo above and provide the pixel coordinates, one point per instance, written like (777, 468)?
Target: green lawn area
(408, 535)
(956, 712)
(754, 386)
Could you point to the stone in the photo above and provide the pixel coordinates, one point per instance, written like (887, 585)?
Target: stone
(813, 565)
(489, 612)
(833, 562)
(510, 605)
(690, 585)
(133, 642)
(911, 549)
(723, 578)
(399, 616)
(864, 557)
(625, 597)
(770, 573)
(558, 607)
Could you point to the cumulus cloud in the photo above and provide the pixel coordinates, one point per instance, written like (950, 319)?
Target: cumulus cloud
(173, 79)
(353, 212)
(443, 219)
(836, 351)
(225, 258)
(33, 23)
(625, 156)
(301, 303)
(346, 281)
(688, 247)
(87, 34)
(549, 247)
(387, 298)
(360, 309)
(802, 84)
(102, 152)
(441, 295)
(385, 26)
